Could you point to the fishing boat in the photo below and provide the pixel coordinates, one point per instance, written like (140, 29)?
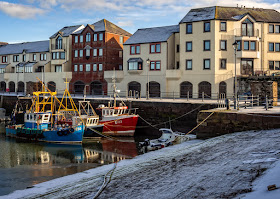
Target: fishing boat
(118, 120)
(91, 120)
(42, 122)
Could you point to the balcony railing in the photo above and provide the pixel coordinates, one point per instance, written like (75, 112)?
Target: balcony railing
(239, 32)
(57, 47)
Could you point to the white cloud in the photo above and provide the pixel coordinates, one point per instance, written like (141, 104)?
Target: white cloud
(128, 23)
(19, 10)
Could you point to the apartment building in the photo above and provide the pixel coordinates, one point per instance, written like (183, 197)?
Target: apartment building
(60, 46)
(148, 55)
(97, 48)
(21, 64)
(204, 57)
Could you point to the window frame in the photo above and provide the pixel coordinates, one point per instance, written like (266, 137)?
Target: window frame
(223, 49)
(135, 49)
(155, 46)
(273, 28)
(204, 46)
(204, 26)
(88, 37)
(269, 43)
(81, 67)
(248, 45)
(88, 67)
(204, 64)
(4, 59)
(191, 25)
(221, 60)
(187, 61)
(188, 42)
(223, 22)
(155, 62)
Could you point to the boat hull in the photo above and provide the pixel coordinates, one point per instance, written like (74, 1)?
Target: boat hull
(74, 135)
(120, 125)
(89, 133)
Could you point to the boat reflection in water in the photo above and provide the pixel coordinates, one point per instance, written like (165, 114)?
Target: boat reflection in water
(32, 163)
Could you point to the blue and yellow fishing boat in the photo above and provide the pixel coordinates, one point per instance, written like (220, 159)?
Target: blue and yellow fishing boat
(42, 122)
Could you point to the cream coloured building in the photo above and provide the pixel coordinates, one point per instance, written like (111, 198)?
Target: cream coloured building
(200, 58)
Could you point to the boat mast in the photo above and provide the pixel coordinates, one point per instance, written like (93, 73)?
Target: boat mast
(114, 88)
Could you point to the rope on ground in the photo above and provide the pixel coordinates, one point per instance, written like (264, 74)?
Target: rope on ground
(154, 126)
(107, 180)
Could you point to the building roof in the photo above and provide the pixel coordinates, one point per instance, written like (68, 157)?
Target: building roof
(3, 43)
(66, 31)
(28, 47)
(231, 13)
(105, 25)
(149, 35)
(3, 65)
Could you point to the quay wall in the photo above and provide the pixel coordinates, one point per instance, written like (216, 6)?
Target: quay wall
(151, 111)
(224, 122)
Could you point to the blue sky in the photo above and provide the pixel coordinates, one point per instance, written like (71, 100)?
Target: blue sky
(34, 20)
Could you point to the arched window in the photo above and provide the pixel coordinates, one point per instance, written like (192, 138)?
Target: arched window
(154, 89)
(59, 43)
(204, 87)
(20, 87)
(96, 88)
(223, 89)
(12, 86)
(79, 87)
(3, 86)
(186, 90)
(52, 86)
(134, 87)
(88, 37)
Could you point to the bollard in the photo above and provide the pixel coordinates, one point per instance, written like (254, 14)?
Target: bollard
(202, 96)
(188, 96)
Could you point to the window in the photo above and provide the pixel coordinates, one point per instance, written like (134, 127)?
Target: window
(207, 26)
(94, 68)
(100, 36)
(75, 67)
(87, 67)
(2, 70)
(23, 58)
(100, 66)
(247, 28)
(134, 65)
(274, 65)
(59, 43)
(223, 26)
(188, 64)
(88, 37)
(135, 49)
(94, 37)
(81, 67)
(62, 55)
(252, 45)
(58, 69)
(223, 64)
(121, 39)
(58, 55)
(277, 47)
(76, 39)
(28, 69)
(120, 67)
(76, 53)
(155, 65)
(34, 57)
(100, 52)
(206, 64)
(239, 45)
(223, 45)
(81, 53)
(16, 58)
(206, 45)
(189, 28)
(188, 46)
(4, 59)
(271, 28)
(154, 48)
(177, 65)
(94, 52)
(271, 47)
(246, 45)
(87, 52)
(277, 28)
(81, 38)
(45, 56)
(178, 48)
(53, 55)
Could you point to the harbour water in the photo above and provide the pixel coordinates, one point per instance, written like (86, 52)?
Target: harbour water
(24, 164)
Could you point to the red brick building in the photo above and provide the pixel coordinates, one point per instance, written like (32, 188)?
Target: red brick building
(95, 49)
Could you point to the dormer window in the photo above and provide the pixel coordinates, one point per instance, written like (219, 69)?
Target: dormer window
(247, 28)
(59, 43)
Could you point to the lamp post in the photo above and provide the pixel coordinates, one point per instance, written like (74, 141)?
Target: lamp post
(148, 92)
(235, 44)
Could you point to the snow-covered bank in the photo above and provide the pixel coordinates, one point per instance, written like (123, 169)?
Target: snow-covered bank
(221, 167)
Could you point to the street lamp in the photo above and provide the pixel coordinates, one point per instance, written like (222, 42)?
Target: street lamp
(235, 44)
(148, 65)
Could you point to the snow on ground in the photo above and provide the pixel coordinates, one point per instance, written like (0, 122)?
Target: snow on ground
(221, 167)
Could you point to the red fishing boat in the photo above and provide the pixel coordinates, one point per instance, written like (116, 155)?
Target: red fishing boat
(118, 120)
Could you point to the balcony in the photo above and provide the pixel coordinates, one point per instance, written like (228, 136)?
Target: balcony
(247, 35)
(55, 47)
(248, 54)
(173, 74)
(118, 74)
